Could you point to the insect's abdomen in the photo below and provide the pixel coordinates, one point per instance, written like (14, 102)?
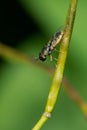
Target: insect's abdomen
(55, 41)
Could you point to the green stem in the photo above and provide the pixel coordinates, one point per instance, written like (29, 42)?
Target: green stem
(58, 75)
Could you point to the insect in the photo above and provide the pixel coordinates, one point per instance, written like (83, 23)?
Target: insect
(50, 46)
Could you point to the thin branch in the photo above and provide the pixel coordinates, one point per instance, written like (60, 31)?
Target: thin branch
(58, 75)
(12, 54)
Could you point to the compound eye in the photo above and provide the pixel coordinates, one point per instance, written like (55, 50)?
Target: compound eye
(42, 58)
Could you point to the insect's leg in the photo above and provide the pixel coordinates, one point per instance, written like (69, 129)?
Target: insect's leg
(51, 58)
(55, 61)
(58, 51)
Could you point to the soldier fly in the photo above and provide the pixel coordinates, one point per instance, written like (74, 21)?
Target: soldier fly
(47, 49)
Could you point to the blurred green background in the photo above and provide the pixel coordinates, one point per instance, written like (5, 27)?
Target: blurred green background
(27, 25)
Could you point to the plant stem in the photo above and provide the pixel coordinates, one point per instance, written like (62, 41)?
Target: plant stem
(58, 75)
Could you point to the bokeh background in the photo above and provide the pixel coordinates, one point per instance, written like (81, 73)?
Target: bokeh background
(26, 25)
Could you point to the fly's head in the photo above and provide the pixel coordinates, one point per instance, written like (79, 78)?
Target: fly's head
(42, 57)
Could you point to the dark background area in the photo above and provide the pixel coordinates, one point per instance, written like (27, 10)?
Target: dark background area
(15, 24)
